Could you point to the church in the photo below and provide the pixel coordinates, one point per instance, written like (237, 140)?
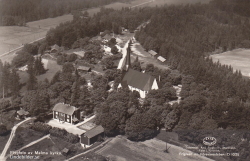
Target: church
(136, 80)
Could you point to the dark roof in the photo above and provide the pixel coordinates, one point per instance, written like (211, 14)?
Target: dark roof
(65, 108)
(138, 80)
(22, 112)
(152, 52)
(95, 131)
(83, 68)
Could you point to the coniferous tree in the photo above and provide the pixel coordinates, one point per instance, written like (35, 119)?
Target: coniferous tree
(32, 81)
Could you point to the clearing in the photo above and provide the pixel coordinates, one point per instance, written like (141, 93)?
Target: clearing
(239, 59)
(121, 149)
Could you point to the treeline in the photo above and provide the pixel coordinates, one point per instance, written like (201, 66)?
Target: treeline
(16, 12)
(69, 34)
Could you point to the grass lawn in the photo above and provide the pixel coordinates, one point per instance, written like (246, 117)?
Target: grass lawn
(239, 59)
(54, 145)
(23, 137)
(3, 141)
(151, 150)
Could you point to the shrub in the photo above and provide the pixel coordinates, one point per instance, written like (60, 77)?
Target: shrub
(41, 127)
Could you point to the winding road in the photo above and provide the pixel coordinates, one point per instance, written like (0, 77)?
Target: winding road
(7, 145)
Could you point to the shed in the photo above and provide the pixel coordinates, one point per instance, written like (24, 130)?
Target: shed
(22, 113)
(84, 69)
(65, 151)
(92, 135)
(54, 48)
(80, 54)
(161, 59)
(152, 52)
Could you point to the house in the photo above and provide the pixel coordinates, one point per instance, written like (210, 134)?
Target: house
(136, 80)
(80, 54)
(92, 135)
(152, 53)
(22, 113)
(65, 151)
(160, 58)
(66, 113)
(55, 48)
(84, 69)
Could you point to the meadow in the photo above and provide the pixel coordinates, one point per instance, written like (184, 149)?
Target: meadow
(239, 59)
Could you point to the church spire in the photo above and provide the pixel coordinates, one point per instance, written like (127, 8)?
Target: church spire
(128, 62)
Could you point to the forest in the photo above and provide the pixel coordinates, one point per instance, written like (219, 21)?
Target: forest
(214, 98)
(16, 12)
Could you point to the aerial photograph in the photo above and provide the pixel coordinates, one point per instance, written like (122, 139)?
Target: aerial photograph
(124, 80)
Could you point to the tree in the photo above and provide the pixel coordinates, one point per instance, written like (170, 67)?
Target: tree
(3, 130)
(39, 66)
(21, 59)
(114, 50)
(14, 83)
(32, 81)
(141, 126)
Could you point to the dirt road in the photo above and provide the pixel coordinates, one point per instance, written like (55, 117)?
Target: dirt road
(7, 145)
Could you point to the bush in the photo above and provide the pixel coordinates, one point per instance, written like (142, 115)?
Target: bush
(41, 127)
(3, 130)
(63, 134)
(22, 59)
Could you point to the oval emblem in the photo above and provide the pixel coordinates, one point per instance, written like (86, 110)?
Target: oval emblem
(209, 141)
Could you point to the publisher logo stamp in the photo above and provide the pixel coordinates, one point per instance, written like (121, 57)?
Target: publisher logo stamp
(209, 141)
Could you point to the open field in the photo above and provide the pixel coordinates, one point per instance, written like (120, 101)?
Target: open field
(121, 149)
(239, 59)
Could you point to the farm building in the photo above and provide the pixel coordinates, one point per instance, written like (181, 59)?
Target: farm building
(136, 80)
(80, 54)
(22, 113)
(92, 135)
(84, 69)
(161, 59)
(55, 48)
(152, 53)
(66, 113)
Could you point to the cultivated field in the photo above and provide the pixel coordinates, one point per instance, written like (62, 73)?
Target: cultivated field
(121, 149)
(239, 59)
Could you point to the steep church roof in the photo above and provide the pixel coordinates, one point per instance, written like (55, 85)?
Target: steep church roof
(137, 80)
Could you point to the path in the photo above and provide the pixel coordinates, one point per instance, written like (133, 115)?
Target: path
(7, 145)
(101, 145)
(30, 144)
(142, 4)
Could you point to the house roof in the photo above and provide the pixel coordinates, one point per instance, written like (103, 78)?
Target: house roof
(80, 53)
(75, 119)
(95, 131)
(65, 150)
(65, 108)
(161, 59)
(83, 68)
(55, 47)
(22, 112)
(152, 52)
(138, 80)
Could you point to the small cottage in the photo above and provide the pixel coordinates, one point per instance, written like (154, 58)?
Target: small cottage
(160, 58)
(152, 53)
(22, 114)
(54, 48)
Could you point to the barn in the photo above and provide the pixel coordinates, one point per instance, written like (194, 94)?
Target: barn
(92, 135)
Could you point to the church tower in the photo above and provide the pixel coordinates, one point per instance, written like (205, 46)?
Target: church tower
(128, 61)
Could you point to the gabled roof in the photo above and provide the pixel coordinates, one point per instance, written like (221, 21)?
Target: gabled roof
(22, 112)
(83, 68)
(80, 53)
(152, 52)
(161, 59)
(138, 80)
(65, 108)
(95, 131)
(55, 47)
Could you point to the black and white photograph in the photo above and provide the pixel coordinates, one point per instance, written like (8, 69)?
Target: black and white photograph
(124, 80)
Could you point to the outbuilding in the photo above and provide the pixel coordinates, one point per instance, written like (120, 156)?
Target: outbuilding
(92, 135)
